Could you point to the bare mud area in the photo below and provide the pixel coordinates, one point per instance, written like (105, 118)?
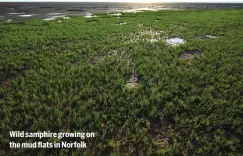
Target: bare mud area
(188, 54)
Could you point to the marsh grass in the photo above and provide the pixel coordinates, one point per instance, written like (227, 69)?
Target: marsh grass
(179, 106)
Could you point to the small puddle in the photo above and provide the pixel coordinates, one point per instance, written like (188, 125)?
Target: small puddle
(55, 14)
(24, 16)
(175, 41)
(197, 36)
(210, 36)
(206, 36)
(140, 10)
(10, 20)
(122, 23)
(89, 15)
(55, 17)
(118, 14)
(16, 13)
(49, 19)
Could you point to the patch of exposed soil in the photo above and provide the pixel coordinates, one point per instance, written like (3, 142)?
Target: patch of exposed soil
(160, 133)
(216, 93)
(6, 76)
(104, 55)
(188, 54)
(111, 53)
(6, 83)
(94, 60)
(198, 36)
(76, 64)
(132, 81)
(147, 35)
(6, 79)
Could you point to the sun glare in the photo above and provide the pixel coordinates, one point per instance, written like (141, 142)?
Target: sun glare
(144, 1)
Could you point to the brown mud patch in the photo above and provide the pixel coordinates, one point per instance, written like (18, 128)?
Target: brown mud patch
(132, 81)
(160, 133)
(104, 55)
(6, 83)
(7, 76)
(189, 54)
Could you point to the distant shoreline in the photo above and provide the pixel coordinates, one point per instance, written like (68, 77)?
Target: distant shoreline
(42, 10)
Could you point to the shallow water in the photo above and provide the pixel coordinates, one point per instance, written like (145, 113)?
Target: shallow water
(89, 15)
(118, 14)
(175, 41)
(55, 17)
(211, 37)
(26, 15)
(45, 10)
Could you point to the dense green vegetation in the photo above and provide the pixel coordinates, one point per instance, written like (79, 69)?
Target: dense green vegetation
(72, 76)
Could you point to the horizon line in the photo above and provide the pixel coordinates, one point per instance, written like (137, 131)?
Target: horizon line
(77, 1)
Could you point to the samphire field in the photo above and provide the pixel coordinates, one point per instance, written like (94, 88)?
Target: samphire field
(119, 77)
